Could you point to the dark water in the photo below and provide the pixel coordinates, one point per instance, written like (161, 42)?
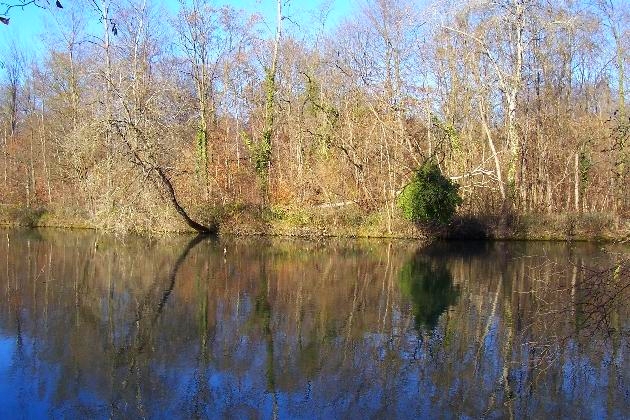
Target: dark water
(97, 327)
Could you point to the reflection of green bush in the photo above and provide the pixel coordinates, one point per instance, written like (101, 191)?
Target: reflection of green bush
(430, 288)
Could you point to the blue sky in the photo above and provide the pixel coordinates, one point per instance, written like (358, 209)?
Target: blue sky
(28, 24)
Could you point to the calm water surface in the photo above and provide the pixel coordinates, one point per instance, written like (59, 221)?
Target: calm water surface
(93, 326)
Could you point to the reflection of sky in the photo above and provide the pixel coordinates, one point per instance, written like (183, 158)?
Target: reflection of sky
(381, 369)
(24, 393)
(29, 385)
(10, 402)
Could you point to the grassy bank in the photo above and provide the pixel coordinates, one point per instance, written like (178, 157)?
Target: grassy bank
(351, 221)
(562, 227)
(347, 221)
(42, 217)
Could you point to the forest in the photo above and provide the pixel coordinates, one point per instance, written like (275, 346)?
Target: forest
(131, 117)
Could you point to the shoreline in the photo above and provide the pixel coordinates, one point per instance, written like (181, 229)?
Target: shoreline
(568, 227)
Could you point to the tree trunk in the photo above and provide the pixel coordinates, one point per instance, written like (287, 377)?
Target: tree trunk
(6, 160)
(108, 97)
(497, 164)
(265, 147)
(577, 181)
(42, 139)
(204, 230)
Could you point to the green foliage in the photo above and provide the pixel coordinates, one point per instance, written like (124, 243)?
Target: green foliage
(270, 91)
(584, 165)
(445, 133)
(324, 112)
(621, 146)
(430, 197)
(289, 215)
(263, 155)
(260, 152)
(202, 153)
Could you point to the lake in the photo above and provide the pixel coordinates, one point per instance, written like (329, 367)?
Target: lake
(95, 326)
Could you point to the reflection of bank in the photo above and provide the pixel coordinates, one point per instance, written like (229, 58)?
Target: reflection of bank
(429, 285)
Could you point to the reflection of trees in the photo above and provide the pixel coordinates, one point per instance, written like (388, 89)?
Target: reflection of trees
(587, 305)
(94, 309)
(146, 321)
(430, 287)
(263, 314)
(300, 329)
(602, 295)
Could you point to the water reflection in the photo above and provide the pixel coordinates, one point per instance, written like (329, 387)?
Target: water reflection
(430, 288)
(93, 326)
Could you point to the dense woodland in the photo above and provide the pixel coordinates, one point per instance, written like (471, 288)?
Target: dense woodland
(521, 102)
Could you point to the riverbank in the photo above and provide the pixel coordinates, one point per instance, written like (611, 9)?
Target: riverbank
(350, 221)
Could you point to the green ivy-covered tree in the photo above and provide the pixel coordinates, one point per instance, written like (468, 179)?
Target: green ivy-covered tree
(430, 197)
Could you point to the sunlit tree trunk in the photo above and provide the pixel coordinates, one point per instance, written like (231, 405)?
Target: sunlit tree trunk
(107, 28)
(493, 150)
(265, 152)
